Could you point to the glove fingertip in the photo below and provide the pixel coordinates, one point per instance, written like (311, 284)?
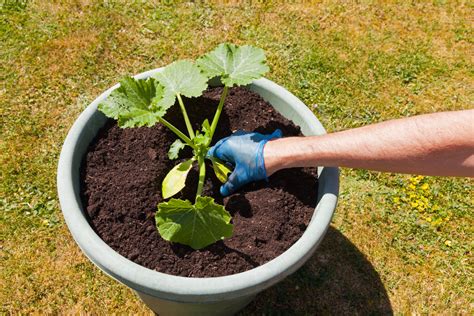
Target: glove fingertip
(210, 152)
(277, 133)
(224, 190)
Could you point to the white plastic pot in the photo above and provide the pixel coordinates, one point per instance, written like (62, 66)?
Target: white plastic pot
(174, 295)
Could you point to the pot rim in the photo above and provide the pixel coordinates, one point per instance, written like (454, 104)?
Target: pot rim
(186, 289)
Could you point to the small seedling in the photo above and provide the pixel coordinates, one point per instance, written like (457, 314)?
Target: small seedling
(144, 102)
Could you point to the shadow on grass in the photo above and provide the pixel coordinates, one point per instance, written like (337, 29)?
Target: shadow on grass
(337, 280)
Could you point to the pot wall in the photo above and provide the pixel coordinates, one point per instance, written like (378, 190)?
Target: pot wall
(174, 295)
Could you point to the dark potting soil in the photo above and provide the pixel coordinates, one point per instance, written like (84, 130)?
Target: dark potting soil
(121, 187)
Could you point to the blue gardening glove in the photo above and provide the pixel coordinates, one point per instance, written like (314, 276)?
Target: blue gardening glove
(244, 150)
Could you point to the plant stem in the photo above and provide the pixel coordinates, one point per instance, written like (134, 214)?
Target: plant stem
(202, 174)
(177, 132)
(215, 120)
(185, 115)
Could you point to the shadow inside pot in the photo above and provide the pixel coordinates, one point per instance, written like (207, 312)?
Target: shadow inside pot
(336, 280)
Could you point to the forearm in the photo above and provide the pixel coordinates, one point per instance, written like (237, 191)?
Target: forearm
(433, 144)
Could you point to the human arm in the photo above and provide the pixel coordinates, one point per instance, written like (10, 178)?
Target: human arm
(440, 144)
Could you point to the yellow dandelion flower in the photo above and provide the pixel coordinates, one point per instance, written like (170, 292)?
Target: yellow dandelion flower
(448, 243)
(411, 187)
(425, 186)
(428, 219)
(436, 222)
(414, 204)
(416, 180)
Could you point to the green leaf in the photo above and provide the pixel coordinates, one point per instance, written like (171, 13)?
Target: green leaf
(201, 140)
(135, 102)
(206, 127)
(237, 65)
(175, 147)
(176, 178)
(181, 77)
(136, 117)
(220, 169)
(164, 102)
(197, 225)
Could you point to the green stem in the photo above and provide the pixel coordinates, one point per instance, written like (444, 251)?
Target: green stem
(202, 174)
(215, 120)
(177, 132)
(185, 115)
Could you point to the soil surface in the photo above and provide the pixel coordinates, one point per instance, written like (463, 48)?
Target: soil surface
(121, 183)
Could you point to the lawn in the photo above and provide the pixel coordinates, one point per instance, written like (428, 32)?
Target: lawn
(398, 243)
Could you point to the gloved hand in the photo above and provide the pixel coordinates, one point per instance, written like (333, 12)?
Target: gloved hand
(244, 150)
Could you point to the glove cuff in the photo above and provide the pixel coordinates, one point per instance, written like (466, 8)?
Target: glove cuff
(260, 160)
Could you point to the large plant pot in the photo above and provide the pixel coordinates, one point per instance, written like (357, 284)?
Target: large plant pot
(174, 295)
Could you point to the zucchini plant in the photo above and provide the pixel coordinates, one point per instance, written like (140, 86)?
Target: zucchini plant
(144, 102)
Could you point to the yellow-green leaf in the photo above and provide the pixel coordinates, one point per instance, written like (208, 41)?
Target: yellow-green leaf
(175, 179)
(220, 169)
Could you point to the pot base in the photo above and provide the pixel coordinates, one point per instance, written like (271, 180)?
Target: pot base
(172, 308)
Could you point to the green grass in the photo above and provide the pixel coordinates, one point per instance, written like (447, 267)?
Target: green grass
(351, 64)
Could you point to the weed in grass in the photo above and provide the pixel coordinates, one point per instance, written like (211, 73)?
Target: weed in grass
(417, 196)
